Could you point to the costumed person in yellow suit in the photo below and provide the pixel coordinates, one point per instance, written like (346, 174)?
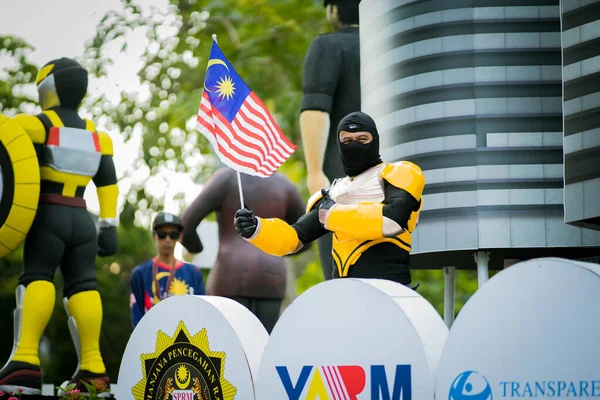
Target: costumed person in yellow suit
(70, 154)
(372, 212)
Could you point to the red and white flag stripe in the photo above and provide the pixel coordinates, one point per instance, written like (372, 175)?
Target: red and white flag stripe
(252, 143)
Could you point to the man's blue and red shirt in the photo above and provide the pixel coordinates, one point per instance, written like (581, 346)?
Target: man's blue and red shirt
(185, 278)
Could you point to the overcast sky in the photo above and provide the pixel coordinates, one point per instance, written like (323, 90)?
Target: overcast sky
(60, 28)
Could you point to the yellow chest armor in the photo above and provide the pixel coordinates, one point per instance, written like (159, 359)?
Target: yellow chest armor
(366, 187)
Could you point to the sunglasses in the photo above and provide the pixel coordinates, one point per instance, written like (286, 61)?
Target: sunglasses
(163, 234)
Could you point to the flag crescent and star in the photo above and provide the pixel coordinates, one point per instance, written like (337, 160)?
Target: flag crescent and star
(214, 62)
(237, 123)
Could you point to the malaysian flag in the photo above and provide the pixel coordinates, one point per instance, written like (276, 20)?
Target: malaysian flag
(237, 123)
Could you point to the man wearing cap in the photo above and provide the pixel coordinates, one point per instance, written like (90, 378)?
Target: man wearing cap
(331, 90)
(164, 275)
(371, 212)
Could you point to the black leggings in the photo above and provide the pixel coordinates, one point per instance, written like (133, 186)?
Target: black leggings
(327, 265)
(266, 310)
(61, 236)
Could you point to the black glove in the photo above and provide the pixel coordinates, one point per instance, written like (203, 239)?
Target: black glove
(107, 241)
(326, 204)
(245, 223)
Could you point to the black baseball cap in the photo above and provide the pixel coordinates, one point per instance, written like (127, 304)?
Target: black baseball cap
(165, 218)
(345, 2)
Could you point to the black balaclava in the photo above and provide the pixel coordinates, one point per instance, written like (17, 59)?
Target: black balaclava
(358, 157)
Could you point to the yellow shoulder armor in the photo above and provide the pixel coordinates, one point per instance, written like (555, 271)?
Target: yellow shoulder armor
(53, 117)
(90, 125)
(106, 144)
(405, 175)
(313, 200)
(33, 126)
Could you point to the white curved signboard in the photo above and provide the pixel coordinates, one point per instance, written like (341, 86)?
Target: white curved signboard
(191, 348)
(532, 331)
(353, 339)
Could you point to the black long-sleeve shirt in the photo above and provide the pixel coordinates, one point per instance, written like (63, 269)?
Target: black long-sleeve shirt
(383, 260)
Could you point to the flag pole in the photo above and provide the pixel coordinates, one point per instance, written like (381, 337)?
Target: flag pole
(239, 179)
(239, 176)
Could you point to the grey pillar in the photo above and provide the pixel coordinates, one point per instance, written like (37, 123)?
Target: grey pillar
(449, 297)
(483, 273)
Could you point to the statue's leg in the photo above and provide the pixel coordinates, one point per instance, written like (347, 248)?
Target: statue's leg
(83, 303)
(267, 311)
(35, 303)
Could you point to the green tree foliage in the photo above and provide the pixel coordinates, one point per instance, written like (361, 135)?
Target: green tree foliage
(432, 287)
(265, 40)
(19, 73)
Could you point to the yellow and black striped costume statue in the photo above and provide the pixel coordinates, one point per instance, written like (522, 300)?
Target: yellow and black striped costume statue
(69, 153)
(372, 212)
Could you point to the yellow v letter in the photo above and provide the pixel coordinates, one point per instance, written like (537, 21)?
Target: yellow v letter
(317, 388)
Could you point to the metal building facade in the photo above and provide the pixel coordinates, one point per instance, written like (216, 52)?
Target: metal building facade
(471, 91)
(581, 80)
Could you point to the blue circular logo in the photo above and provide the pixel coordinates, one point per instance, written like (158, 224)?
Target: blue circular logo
(470, 385)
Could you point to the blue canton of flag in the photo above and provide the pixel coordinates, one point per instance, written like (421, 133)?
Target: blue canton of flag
(236, 122)
(226, 90)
